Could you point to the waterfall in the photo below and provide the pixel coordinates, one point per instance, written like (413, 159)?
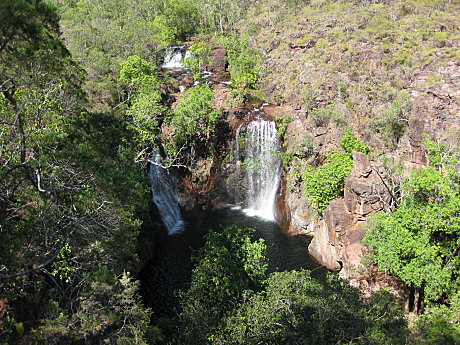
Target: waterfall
(173, 57)
(263, 167)
(164, 195)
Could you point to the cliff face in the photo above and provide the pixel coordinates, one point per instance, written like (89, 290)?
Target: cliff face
(390, 72)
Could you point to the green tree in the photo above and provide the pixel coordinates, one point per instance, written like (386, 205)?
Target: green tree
(326, 182)
(193, 123)
(246, 65)
(200, 53)
(63, 200)
(144, 97)
(229, 264)
(102, 34)
(419, 242)
(297, 309)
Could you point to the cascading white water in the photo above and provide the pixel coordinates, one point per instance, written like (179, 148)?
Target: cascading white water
(173, 58)
(164, 195)
(263, 166)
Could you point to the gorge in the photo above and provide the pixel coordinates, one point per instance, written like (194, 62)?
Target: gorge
(221, 172)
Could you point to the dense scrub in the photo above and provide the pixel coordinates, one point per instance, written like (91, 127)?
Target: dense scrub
(232, 300)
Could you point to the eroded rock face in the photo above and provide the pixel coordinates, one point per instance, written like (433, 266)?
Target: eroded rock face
(364, 189)
(326, 246)
(337, 237)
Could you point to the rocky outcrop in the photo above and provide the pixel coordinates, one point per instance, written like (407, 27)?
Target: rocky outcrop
(337, 237)
(218, 64)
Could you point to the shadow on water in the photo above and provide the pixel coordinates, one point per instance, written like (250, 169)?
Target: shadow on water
(171, 270)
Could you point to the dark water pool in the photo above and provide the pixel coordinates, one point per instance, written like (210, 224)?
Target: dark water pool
(170, 270)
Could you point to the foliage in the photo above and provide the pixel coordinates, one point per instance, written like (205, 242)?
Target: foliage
(229, 264)
(321, 116)
(295, 307)
(144, 97)
(252, 164)
(350, 143)
(418, 243)
(199, 57)
(393, 124)
(325, 183)
(439, 324)
(107, 304)
(193, 122)
(233, 301)
(245, 64)
(283, 123)
(102, 34)
(306, 148)
(64, 177)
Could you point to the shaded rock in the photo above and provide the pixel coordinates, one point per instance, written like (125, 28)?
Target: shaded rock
(337, 238)
(364, 190)
(326, 247)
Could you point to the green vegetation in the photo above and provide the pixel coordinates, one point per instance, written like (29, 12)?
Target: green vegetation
(69, 195)
(144, 100)
(193, 122)
(229, 265)
(326, 182)
(350, 143)
(283, 123)
(392, 125)
(102, 34)
(251, 164)
(245, 64)
(418, 243)
(199, 57)
(232, 300)
(78, 111)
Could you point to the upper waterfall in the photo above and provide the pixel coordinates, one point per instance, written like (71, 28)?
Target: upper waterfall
(263, 167)
(164, 195)
(174, 56)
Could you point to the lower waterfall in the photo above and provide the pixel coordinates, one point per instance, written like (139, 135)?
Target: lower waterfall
(263, 167)
(164, 195)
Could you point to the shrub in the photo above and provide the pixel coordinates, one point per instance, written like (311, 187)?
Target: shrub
(200, 53)
(321, 116)
(306, 148)
(326, 183)
(245, 64)
(350, 143)
(193, 120)
(394, 122)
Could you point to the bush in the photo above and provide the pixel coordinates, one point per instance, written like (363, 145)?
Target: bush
(350, 143)
(306, 148)
(193, 121)
(228, 265)
(321, 116)
(200, 53)
(394, 122)
(325, 183)
(245, 64)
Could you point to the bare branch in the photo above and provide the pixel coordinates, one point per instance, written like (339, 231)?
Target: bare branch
(39, 267)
